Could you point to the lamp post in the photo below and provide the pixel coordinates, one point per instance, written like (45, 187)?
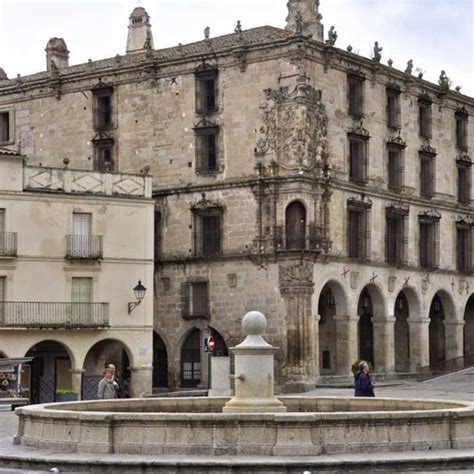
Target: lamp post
(139, 291)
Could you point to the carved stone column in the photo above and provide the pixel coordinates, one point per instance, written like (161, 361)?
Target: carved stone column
(296, 287)
(419, 343)
(346, 340)
(384, 344)
(454, 331)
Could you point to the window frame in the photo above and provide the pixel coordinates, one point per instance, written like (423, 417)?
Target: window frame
(397, 184)
(188, 301)
(400, 236)
(427, 183)
(461, 136)
(425, 122)
(198, 235)
(362, 243)
(463, 194)
(98, 94)
(99, 163)
(464, 265)
(393, 117)
(432, 255)
(202, 163)
(355, 95)
(358, 172)
(202, 91)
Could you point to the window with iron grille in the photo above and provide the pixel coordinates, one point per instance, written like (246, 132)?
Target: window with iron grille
(4, 127)
(206, 92)
(461, 130)
(424, 118)
(358, 158)
(358, 233)
(103, 117)
(464, 181)
(427, 175)
(393, 108)
(207, 149)
(355, 86)
(464, 237)
(395, 237)
(103, 156)
(429, 242)
(207, 233)
(395, 168)
(195, 299)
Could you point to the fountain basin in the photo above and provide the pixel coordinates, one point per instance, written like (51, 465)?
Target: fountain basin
(196, 426)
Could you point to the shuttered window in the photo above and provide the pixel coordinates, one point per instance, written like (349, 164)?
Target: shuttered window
(395, 168)
(207, 233)
(396, 243)
(429, 243)
(461, 130)
(424, 118)
(81, 290)
(358, 233)
(393, 108)
(464, 182)
(195, 299)
(206, 149)
(427, 175)
(357, 159)
(463, 248)
(4, 127)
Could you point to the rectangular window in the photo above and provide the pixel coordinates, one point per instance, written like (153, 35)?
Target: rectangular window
(2, 297)
(393, 108)
(463, 248)
(206, 92)
(356, 96)
(357, 233)
(427, 175)
(4, 127)
(395, 240)
(103, 156)
(357, 159)
(395, 168)
(424, 110)
(81, 299)
(206, 149)
(2, 220)
(461, 130)
(428, 243)
(464, 182)
(195, 300)
(103, 109)
(207, 236)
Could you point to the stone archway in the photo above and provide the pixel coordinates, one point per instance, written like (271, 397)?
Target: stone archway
(437, 333)
(402, 333)
(50, 371)
(468, 350)
(160, 362)
(99, 356)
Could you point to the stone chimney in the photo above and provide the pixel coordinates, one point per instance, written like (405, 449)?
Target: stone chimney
(307, 13)
(57, 55)
(140, 37)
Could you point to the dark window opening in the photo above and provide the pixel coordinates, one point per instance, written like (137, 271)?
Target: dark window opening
(357, 159)
(195, 300)
(103, 111)
(395, 240)
(207, 236)
(326, 359)
(429, 243)
(356, 96)
(4, 127)
(395, 168)
(463, 248)
(104, 161)
(206, 149)
(393, 108)
(464, 182)
(427, 175)
(358, 233)
(206, 92)
(461, 131)
(424, 110)
(295, 226)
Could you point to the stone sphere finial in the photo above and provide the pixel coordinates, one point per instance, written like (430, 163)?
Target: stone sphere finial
(254, 324)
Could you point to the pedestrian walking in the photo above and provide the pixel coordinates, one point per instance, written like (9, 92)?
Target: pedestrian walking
(363, 384)
(106, 389)
(116, 382)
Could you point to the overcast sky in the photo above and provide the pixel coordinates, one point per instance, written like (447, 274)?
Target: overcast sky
(436, 34)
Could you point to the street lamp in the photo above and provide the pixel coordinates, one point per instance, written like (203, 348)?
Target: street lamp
(139, 291)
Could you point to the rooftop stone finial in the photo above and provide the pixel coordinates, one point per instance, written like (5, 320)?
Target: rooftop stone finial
(57, 55)
(310, 18)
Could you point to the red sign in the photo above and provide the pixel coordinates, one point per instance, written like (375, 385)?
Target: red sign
(211, 344)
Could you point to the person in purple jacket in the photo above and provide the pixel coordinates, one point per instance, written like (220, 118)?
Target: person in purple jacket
(364, 387)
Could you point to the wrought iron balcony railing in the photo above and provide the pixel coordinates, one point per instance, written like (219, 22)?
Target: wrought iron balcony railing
(8, 244)
(310, 240)
(84, 246)
(33, 314)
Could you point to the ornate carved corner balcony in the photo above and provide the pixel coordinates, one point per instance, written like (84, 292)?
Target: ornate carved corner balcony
(33, 314)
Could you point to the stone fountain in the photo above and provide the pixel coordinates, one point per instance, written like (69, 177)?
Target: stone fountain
(253, 422)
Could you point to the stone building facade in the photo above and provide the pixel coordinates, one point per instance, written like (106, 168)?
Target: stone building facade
(325, 189)
(69, 260)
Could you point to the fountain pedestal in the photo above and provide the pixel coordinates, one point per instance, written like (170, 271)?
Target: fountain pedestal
(254, 366)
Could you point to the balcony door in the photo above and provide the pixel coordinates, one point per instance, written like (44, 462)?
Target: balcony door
(82, 223)
(81, 297)
(295, 226)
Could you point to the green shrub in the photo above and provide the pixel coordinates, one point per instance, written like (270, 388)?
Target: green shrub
(355, 365)
(65, 391)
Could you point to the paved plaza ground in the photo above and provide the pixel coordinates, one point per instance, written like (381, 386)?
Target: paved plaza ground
(458, 386)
